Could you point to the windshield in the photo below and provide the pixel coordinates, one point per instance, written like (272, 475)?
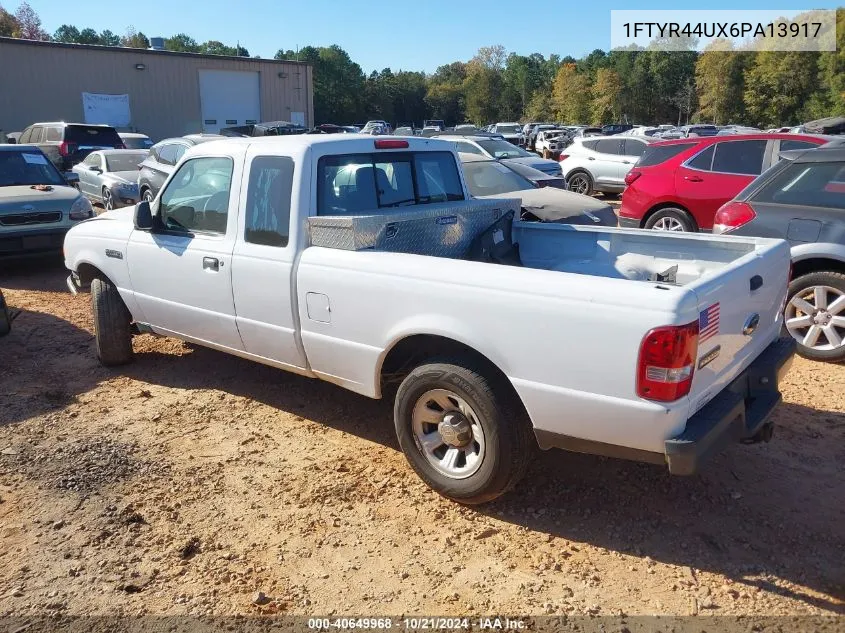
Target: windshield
(137, 143)
(92, 135)
(503, 149)
(27, 168)
(508, 129)
(489, 178)
(125, 162)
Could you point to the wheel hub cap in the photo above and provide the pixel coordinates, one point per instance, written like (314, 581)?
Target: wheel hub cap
(455, 429)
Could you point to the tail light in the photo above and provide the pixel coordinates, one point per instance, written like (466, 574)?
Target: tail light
(731, 216)
(563, 157)
(391, 143)
(667, 362)
(631, 176)
(66, 149)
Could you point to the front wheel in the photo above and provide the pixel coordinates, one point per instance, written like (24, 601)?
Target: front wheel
(112, 324)
(148, 196)
(815, 315)
(462, 430)
(580, 182)
(108, 200)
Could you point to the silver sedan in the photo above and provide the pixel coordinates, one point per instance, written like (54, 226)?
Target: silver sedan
(110, 177)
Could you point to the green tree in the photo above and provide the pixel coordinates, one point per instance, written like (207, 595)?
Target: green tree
(88, 36)
(134, 39)
(107, 38)
(29, 24)
(778, 85)
(830, 97)
(606, 92)
(182, 43)
(571, 95)
(540, 106)
(719, 83)
(9, 26)
(67, 34)
(445, 94)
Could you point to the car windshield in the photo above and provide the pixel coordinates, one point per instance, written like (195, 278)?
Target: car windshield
(489, 178)
(137, 143)
(125, 162)
(508, 129)
(92, 135)
(503, 149)
(27, 167)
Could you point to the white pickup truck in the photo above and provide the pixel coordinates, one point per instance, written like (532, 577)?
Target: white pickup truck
(363, 261)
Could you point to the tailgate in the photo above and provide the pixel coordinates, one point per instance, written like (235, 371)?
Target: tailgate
(740, 314)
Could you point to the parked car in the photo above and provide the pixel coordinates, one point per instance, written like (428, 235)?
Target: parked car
(539, 178)
(586, 132)
(615, 128)
(377, 126)
(12, 137)
(802, 200)
(403, 131)
(679, 185)
(439, 124)
(511, 132)
(37, 205)
(692, 131)
(489, 178)
(67, 144)
(329, 128)
(502, 150)
(550, 143)
(600, 163)
(466, 128)
(161, 160)
(110, 177)
(133, 140)
(531, 141)
(482, 357)
(264, 128)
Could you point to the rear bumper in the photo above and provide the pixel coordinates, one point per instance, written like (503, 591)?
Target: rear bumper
(628, 223)
(740, 412)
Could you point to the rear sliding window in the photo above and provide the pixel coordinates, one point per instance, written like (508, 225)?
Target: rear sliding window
(656, 154)
(358, 183)
(92, 135)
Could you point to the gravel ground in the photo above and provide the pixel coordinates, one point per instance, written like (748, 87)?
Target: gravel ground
(191, 482)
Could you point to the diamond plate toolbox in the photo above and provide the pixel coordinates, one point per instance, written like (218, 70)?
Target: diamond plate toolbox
(439, 230)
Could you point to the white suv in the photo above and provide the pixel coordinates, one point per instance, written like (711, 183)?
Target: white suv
(600, 163)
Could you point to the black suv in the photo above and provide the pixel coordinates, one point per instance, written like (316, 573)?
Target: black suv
(801, 199)
(616, 128)
(67, 144)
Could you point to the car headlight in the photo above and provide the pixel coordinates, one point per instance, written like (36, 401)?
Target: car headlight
(81, 209)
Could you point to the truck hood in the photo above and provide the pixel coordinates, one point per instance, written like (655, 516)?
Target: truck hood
(125, 215)
(542, 164)
(25, 198)
(550, 204)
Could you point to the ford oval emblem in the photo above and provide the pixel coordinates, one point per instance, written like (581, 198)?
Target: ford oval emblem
(28, 207)
(751, 324)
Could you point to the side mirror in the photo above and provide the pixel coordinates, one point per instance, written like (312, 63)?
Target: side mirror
(72, 178)
(95, 169)
(143, 217)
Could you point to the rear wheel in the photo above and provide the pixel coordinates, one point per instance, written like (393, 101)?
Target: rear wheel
(815, 315)
(670, 220)
(112, 324)
(148, 196)
(580, 182)
(108, 199)
(462, 430)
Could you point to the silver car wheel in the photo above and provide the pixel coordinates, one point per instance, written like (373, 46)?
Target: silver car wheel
(148, 196)
(448, 433)
(813, 318)
(668, 224)
(579, 184)
(108, 200)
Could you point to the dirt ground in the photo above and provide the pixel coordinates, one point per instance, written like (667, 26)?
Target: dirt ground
(189, 481)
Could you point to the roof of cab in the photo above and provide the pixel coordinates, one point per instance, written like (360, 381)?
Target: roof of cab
(300, 142)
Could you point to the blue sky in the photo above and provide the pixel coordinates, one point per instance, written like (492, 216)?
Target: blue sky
(400, 34)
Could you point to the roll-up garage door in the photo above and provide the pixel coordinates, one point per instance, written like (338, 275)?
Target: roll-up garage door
(229, 98)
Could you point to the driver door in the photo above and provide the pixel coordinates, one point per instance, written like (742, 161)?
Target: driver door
(181, 271)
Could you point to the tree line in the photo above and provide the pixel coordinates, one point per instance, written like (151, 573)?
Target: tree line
(648, 86)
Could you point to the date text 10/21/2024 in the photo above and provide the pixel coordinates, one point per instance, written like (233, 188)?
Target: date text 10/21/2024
(418, 624)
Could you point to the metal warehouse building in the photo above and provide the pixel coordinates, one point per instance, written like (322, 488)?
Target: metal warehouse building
(157, 92)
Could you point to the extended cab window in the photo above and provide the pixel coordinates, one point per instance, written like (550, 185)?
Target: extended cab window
(268, 201)
(356, 183)
(197, 198)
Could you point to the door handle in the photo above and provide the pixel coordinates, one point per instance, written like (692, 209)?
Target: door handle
(590, 158)
(692, 178)
(626, 162)
(210, 263)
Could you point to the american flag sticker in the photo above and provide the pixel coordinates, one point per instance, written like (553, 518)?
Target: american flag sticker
(708, 323)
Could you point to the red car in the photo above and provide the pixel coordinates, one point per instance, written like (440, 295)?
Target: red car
(679, 185)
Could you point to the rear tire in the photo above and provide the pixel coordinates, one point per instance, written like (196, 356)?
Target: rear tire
(112, 324)
(108, 200)
(817, 329)
(493, 458)
(580, 182)
(147, 196)
(671, 219)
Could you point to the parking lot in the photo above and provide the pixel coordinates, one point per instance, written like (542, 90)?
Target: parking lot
(189, 481)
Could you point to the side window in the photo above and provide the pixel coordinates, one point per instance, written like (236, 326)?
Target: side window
(37, 135)
(633, 148)
(197, 198)
(92, 160)
(180, 151)
(469, 148)
(608, 146)
(807, 184)
(590, 145)
(268, 201)
(785, 146)
(740, 157)
(167, 154)
(703, 160)
(27, 134)
(54, 134)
